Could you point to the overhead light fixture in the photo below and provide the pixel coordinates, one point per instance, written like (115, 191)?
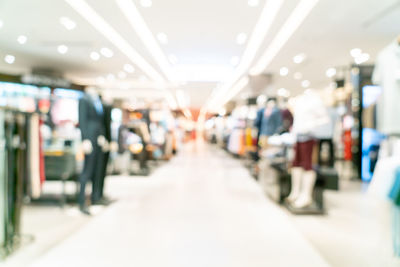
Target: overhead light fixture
(107, 52)
(305, 83)
(114, 37)
(10, 59)
(146, 3)
(299, 58)
(241, 38)
(121, 75)
(22, 39)
(132, 14)
(110, 77)
(298, 76)
(94, 56)
(162, 38)
(129, 68)
(173, 59)
(253, 3)
(62, 49)
(355, 52)
(68, 23)
(330, 72)
(235, 61)
(1, 24)
(180, 96)
(283, 92)
(294, 21)
(284, 71)
(242, 83)
(263, 25)
(364, 57)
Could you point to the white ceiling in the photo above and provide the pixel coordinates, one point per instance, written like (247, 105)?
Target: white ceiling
(201, 35)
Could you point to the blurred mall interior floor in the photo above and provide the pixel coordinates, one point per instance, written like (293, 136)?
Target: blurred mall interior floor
(204, 209)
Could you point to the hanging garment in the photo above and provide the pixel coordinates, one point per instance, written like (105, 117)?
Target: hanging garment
(394, 193)
(41, 155)
(34, 156)
(3, 180)
(383, 177)
(387, 75)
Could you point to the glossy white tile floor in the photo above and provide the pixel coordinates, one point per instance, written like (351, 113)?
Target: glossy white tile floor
(201, 209)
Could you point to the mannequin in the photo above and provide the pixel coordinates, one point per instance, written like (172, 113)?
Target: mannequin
(91, 116)
(268, 121)
(309, 114)
(107, 109)
(287, 117)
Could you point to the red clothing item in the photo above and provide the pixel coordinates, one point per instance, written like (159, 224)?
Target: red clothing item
(41, 155)
(303, 155)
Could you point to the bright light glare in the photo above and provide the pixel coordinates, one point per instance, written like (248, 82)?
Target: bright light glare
(292, 23)
(284, 71)
(10, 59)
(62, 49)
(330, 72)
(68, 23)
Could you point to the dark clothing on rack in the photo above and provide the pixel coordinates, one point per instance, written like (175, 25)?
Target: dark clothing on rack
(287, 120)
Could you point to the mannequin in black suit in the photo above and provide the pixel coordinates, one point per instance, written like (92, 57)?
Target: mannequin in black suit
(100, 199)
(91, 124)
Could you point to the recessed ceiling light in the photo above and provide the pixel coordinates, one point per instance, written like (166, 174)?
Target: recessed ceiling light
(297, 76)
(107, 52)
(173, 59)
(110, 77)
(62, 49)
(364, 57)
(253, 3)
(284, 71)
(305, 83)
(235, 61)
(330, 72)
(94, 56)
(68, 23)
(299, 58)
(10, 59)
(1, 24)
(162, 38)
(146, 3)
(241, 38)
(22, 39)
(283, 92)
(129, 68)
(121, 75)
(296, 18)
(355, 52)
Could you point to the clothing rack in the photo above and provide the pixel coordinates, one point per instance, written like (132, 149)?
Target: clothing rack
(15, 175)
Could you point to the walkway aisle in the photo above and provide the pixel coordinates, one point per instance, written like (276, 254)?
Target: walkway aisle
(200, 210)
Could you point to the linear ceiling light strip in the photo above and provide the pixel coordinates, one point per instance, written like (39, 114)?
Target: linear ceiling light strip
(137, 22)
(292, 23)
(263, 25)
(242, 83)
(114, 37)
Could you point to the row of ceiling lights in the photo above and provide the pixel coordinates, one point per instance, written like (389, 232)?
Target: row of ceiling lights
(69, 24)
(162, 37)
(357, 54)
